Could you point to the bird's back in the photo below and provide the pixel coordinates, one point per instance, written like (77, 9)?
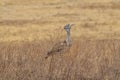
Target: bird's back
(58, 47)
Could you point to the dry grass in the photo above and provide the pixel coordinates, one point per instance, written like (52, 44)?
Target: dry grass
(86, 60)
(23, 20)
(29, 29)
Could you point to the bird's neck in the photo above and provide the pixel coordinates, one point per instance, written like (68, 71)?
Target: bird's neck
(68, 39)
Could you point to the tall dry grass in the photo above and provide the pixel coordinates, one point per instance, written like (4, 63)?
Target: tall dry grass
(85, 60)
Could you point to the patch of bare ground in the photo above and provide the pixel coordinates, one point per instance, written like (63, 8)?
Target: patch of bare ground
(22, 22)
(86, 60)
(109, 5)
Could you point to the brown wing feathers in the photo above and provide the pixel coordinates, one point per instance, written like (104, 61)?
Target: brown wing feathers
(56, 48)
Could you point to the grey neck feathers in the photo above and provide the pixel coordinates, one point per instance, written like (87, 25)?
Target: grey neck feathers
(68, 38)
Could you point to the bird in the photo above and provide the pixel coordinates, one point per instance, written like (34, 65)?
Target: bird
(61, 46)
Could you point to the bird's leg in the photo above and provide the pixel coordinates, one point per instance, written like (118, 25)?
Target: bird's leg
(50, 73)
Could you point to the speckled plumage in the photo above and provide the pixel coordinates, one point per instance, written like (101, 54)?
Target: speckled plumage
(57, 48)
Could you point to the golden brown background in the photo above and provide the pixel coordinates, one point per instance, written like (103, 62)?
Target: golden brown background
(30, 28)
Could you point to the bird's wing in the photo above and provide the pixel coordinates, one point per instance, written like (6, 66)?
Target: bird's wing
(57, 47)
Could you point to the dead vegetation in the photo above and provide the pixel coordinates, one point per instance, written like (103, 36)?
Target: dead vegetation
(95, 51)
(86, 60)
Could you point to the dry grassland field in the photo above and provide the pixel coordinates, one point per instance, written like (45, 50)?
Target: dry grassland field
(29, 29)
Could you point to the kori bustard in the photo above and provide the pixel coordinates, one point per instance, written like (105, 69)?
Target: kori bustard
(60, 46)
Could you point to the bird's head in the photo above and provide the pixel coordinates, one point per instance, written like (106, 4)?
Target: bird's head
(68, 27)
